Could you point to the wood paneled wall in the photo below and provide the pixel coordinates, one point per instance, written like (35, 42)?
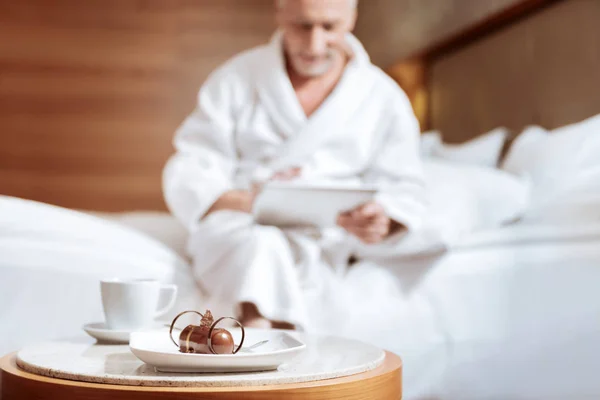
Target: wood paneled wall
(543, 70)
(404, 36)
(92, 91)
(393, 30)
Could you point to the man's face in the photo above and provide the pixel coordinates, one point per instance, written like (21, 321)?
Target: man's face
(314, 32)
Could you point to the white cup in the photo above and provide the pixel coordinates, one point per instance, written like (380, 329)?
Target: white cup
(131, 304)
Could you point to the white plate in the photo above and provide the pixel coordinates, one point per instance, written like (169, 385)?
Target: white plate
(99, 331)
(157, 350)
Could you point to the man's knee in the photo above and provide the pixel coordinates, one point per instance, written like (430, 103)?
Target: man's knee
(219, 229)
(228, 236)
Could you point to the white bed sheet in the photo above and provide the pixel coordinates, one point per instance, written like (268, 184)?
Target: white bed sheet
(529, 233)
(511, 314)
(506, 314)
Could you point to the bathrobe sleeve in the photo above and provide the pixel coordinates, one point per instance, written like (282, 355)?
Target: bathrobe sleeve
(396, 166)
(202, 168)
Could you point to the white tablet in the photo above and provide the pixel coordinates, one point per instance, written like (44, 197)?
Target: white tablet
(296, 205)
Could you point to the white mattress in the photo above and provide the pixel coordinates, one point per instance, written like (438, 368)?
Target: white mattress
(507, 314)
(514, 315)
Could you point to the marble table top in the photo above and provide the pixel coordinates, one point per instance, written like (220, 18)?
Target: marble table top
(82, 359)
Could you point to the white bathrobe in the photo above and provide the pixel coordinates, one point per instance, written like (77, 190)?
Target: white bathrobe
(249, 124)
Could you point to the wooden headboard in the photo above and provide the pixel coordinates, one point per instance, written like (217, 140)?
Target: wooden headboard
(541, 66)
(470, 66)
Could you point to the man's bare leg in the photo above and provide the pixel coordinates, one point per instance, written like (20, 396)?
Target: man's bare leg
(252, 318)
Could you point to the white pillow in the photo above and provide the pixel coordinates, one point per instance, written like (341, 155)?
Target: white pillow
(483, 150)
(564, 168)
(521, 158)
(467, 198)
(430, 141)
(555, 158)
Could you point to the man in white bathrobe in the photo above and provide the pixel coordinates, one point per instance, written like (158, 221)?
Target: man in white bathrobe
(308, 104)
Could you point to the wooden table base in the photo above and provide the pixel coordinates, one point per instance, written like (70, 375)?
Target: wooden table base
(384, 382)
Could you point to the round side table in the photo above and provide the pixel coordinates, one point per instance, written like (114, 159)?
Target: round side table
(383, 382)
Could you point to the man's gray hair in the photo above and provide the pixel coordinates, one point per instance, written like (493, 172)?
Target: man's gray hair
(353, 3)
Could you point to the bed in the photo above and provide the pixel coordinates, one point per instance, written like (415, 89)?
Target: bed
(506, 309)
(508, 313)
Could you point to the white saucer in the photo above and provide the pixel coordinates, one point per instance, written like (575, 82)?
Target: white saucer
(157, 350)
(99, 331)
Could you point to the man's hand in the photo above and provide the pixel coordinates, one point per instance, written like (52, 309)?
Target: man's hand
(287, 174)
(237, 200)
(368, 222)
(242, 200)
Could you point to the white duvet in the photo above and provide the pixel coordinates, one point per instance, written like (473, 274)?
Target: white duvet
(51, 261)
